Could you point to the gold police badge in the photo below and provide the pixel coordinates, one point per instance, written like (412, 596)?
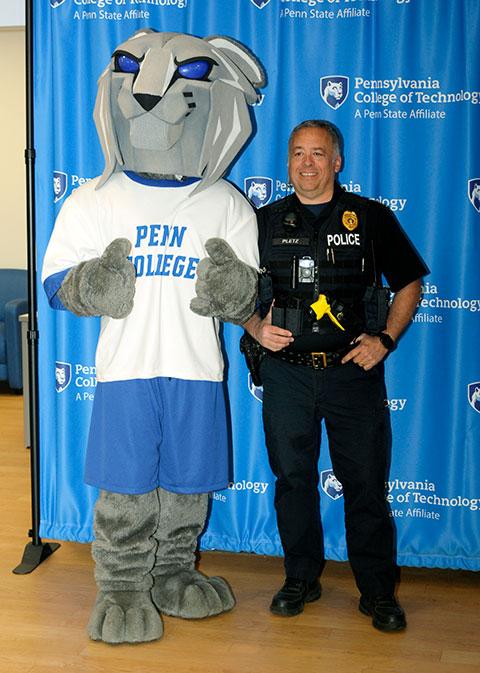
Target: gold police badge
(350, 220)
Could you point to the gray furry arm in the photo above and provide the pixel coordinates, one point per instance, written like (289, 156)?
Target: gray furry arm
(104, 286)
(226, 287)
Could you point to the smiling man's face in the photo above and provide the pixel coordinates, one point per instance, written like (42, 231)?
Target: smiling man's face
(313, 162)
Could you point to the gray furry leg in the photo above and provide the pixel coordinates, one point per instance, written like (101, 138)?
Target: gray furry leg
(124, 554)
(180, 590)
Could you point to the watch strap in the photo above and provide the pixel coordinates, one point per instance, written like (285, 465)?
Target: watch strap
(387, 341)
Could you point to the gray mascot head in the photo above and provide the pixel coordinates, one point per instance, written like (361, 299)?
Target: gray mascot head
(172, 104)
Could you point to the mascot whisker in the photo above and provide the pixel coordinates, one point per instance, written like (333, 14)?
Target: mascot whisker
(171, 113)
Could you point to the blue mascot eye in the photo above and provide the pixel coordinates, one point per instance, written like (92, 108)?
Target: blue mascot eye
(195, 69)
(124, 63)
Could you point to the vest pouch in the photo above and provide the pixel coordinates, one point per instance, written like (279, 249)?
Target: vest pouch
(350, 317)
(289, 316)
(278, 316)
(294, 320)
(265, 290)
(376, 303)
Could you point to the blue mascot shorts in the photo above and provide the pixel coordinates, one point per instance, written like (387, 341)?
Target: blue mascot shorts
(165, 432)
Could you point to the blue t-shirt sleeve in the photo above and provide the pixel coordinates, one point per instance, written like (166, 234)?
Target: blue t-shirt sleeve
(51, 285)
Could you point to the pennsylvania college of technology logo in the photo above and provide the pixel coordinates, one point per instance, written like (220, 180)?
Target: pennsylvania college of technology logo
(334, 90)
(63, 376)
(59, 185)
(260, 3)
(474, 193)
(474, 395)
(259, 190)
(56, 3)
(330, 484)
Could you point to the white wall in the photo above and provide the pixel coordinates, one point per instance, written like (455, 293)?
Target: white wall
(13, 236)
(12, 12)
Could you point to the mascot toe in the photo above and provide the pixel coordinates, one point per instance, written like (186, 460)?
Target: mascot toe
(125, 617)
(192, 595)
(172, 113)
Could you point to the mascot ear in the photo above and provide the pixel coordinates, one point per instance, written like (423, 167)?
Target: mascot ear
(251, 73)
(142, 32)
(102, 115)
(229, 125)
(228, 131)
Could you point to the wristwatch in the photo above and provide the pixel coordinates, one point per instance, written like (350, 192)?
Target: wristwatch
(387, 341)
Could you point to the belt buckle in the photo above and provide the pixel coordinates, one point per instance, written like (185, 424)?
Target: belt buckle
(315, 360)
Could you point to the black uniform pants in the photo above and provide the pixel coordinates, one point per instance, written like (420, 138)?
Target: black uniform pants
(352, 404)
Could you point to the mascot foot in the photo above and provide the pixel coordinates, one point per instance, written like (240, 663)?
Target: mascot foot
(125, 617)
(191, 595)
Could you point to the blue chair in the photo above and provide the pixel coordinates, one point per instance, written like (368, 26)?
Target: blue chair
(13, 302)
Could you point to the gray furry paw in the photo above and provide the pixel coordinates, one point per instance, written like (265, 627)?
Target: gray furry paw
(104, 286)
(226, 287)
(191, 595)
(125, 617)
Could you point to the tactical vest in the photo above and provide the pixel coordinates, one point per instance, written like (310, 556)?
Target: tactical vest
(335, 249)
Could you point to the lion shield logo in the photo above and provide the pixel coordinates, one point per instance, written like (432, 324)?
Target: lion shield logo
(260, 4)
(334, 90)
(63, 376)
(59, 185)
(330, 484)
(474, 193)
(474, 395)
(258, 190)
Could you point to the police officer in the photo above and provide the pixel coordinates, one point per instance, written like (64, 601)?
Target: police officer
(327, 333)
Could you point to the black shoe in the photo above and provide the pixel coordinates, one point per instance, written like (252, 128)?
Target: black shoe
(292, 597)
(386, 613)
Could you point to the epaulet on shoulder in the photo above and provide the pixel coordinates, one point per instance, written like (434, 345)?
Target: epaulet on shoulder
(358, 201)
(355, 199)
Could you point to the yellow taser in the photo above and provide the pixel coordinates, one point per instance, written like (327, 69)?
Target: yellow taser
(321, 307)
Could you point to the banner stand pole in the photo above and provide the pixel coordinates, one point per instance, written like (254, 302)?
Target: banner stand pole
(35, 551)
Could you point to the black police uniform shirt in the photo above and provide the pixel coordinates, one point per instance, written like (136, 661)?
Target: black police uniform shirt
(353, 240)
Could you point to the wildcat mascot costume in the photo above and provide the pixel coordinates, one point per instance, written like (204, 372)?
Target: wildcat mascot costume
(171, 113)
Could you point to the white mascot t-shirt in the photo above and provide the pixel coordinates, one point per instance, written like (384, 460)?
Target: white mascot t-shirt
(168, 229)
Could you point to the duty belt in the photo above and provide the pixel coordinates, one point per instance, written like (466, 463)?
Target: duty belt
(317, 360)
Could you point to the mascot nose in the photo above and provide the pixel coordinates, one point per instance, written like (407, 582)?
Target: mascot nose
(146, 100)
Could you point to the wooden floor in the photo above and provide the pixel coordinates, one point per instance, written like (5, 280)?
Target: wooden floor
(43, 615)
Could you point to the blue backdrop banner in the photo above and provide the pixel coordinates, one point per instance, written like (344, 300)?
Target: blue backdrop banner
(401, 80)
